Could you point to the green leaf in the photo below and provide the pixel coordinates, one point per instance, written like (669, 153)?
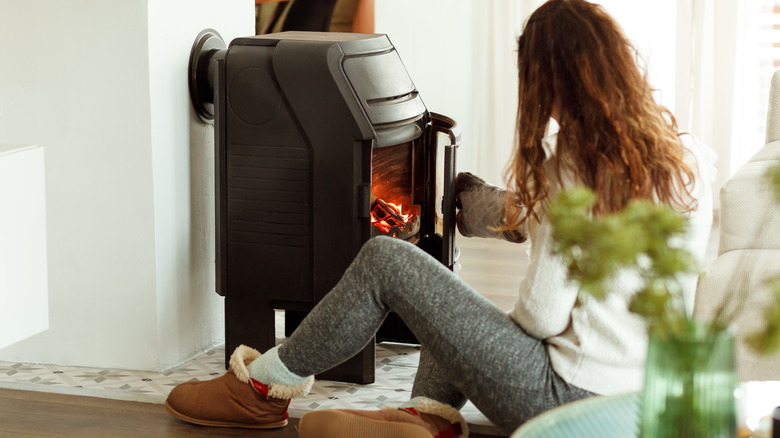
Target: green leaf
(651, 302)
(773, 175)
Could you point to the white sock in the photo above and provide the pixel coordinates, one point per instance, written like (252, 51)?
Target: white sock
(268, 369)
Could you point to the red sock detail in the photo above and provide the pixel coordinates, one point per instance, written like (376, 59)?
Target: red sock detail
(451, 432)
(411, 410)
(285, 415)
(262, 388)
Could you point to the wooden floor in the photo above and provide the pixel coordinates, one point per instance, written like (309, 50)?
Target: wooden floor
(493, 267)
(38, 414)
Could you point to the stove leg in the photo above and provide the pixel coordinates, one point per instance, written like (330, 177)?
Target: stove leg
(361, 368)
(249, 320)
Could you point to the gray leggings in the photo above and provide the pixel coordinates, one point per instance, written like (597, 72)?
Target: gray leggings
(471, 349)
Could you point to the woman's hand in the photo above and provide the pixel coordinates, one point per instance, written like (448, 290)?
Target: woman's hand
(481, 209)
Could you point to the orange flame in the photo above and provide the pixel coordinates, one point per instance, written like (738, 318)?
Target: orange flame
(386, 214)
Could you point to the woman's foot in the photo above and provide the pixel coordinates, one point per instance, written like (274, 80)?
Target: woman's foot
(425, 418)
(226, 402)
(234, 399)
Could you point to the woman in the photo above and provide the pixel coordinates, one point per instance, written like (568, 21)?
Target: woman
(586, 117)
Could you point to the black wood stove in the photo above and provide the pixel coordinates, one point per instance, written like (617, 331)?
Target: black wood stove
(322, 141)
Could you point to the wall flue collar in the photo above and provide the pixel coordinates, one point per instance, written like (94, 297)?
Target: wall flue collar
(207, 48)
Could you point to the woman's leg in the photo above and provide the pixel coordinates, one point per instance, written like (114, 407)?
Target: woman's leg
(431, 381)
(505, 372)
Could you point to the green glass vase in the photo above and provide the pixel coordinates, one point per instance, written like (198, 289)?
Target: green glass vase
(689, 383)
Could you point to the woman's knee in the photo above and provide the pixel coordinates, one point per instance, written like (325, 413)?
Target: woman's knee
(384, 253)
(380, 246)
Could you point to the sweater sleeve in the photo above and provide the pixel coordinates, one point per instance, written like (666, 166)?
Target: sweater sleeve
(545, 302)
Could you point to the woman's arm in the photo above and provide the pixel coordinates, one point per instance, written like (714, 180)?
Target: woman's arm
(545, 299)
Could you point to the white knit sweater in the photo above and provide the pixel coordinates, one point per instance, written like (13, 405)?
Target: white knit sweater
(598, 345)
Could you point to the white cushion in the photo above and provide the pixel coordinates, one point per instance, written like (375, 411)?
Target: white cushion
(770, 151)
(773, 113)
(749, 211)
(717, 287)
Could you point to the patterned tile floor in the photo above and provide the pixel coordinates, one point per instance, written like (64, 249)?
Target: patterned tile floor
(396, 365)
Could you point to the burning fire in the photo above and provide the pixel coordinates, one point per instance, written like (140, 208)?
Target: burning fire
(386, 215)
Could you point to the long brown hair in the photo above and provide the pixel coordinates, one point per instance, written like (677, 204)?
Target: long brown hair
(613, 135)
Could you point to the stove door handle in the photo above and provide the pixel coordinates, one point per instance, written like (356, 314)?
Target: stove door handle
(446, 125)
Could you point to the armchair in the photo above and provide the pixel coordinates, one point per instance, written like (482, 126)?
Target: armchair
(749, 249)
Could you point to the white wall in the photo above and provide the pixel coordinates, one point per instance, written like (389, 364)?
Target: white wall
(23, 272)
(189, 311)
(652, 28)
(102, 87)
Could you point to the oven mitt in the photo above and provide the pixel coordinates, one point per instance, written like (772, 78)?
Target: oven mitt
(481, 209)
